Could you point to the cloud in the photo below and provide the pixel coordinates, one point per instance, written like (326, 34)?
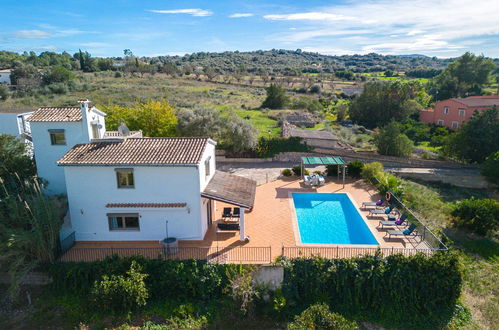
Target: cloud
(31, 34)
(406, 25)
(239, 15)
(310, 16)
(191, 11)
(94, 44)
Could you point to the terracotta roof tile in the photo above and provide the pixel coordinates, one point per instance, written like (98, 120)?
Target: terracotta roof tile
(52, 114)
(480, 101)
(138, 151)
(145, 205)
(231, 189)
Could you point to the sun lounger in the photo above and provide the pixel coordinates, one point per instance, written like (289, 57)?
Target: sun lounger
(375, 204)
(397, 222)
(409, 232)
(388, 210)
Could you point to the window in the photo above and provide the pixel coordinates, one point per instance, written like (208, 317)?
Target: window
(207, 168)
(95, 131)
(57, 137)
(123, 221)
(124, 177)
(440, 122)
(446, 110)
(462, 112)
(454, 124)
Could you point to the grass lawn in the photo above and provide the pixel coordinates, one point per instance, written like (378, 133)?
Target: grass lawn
(261, 121)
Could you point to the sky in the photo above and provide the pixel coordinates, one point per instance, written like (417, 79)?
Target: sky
(439, 28)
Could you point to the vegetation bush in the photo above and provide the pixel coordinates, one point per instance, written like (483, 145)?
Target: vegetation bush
(331, 170)
(319, 316)
(166, 279)
(4, 92)
(478, 215)
(354, 168)
(416, 291)
(374, 173)
(287, 172)
(269, 147)
(477, 138)
(121, 293)
(297, 170)
(371, 171)
(276, 97)
(390, 141)
(490, 168)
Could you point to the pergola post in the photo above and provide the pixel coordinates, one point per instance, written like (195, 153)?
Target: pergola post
(242, 229)
(338, 171)
(302, 174)
(344, 170)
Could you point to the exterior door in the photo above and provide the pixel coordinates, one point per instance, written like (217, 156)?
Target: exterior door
(208, 212)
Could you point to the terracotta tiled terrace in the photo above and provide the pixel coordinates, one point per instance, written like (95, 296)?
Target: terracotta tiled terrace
(271, 223)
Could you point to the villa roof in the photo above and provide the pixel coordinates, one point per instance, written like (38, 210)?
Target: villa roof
(479, 101)
(57, 114)
(231, 189)
(138, 151)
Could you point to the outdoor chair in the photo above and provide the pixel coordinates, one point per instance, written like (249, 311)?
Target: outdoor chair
(227, 213)
(397, 222)
(306, 180)
(409, 232)
(376, 204)
(227, 226)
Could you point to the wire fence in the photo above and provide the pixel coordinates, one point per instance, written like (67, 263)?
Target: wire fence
(233, 254)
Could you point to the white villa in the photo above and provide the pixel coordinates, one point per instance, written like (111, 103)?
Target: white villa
(124, 187)
(5, 76)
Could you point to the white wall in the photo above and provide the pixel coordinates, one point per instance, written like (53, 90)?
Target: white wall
(47, 155)
(8, 124)
(90, 188)
(5, 78)
(204, 179)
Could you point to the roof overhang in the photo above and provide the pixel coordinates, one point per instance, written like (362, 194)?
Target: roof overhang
(322, 161)
(231, 189)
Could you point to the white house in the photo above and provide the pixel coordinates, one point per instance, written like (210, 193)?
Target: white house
(14, 122)
(125, 187)
(5, 76)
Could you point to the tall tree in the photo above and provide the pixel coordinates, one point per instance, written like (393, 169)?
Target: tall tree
(477, 138)
(465, 76)
(390, 141)
(382, 101)
(276, 97)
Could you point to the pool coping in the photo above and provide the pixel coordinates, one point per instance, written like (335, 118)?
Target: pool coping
(296, 230)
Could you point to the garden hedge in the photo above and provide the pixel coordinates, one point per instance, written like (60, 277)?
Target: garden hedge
(417, 291)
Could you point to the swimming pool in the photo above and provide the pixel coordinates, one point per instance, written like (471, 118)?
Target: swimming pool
(327, 218)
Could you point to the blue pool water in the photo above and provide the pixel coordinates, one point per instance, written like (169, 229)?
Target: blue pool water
(330, 219)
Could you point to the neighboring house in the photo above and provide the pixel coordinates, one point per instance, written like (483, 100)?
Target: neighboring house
(125, 187)
(13, 122)
(5, 76)
(452, 113)
(315, 138)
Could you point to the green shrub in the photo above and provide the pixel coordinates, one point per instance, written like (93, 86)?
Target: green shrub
(4, 92)
(276, 97)
(355, 168)
(478, 215)
(389, 141)
(371, 171)
(297, 170)
(120, 293)
(425, 288)
(319, 316)
(331, 170)
(490, 168)
(287, 172)
(317, 172)
(167, 279)
(269, 147)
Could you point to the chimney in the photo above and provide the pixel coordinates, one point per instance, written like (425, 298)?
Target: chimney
(85, 108)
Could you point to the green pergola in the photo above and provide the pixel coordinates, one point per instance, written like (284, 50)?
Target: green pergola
(324, 161)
